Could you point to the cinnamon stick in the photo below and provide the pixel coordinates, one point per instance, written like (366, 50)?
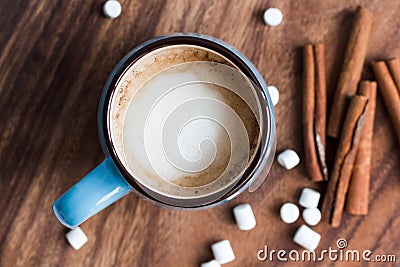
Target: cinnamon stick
(320, 107)
(351, 70)
(389, 92)
(311, 160)
(358, 193)
(394, 67)
(332, 208)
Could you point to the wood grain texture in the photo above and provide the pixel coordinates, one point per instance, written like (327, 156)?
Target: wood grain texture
(55, 57)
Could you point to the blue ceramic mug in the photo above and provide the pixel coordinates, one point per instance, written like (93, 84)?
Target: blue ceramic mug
(112, 180)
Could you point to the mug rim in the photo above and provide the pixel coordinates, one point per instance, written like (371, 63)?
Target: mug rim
(207, 42)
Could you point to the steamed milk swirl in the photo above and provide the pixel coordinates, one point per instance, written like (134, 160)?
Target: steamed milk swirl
(178, 125)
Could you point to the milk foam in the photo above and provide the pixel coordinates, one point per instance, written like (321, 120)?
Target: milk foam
(184, 134)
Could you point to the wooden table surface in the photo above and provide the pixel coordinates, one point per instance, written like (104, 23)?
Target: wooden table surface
(55, 57)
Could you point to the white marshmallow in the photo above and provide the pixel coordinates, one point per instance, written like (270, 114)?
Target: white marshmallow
(312, 216)
(76, 238)
(273, 17)
(212, 263)
(244, 217)
(288, 159)
(289, 213)
(307, 238)
(223, 252)
(309, 198)
(112, 9)
(274, 93)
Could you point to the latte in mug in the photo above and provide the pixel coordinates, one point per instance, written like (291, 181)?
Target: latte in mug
(180, 125)
(185, 122)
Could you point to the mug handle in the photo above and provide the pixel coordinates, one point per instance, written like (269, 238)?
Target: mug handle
(97, 190)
